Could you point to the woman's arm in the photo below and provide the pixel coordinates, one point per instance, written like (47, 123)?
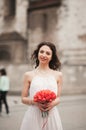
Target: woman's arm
(59, 82)
(25, 91)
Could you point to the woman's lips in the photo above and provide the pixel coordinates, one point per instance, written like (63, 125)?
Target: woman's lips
(43, 59)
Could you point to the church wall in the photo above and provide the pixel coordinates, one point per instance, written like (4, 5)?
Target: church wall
(16, 22)
(72, 43)
(16, 63)
(66, 27)
(17, 49)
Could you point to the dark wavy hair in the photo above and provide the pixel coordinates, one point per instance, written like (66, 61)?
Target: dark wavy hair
(54, 63)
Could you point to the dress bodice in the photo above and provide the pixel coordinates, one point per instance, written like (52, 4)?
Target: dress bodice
(43, 82)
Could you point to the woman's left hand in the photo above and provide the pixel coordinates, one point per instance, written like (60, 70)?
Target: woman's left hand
(50, 105)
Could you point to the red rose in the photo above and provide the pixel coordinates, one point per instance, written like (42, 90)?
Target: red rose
(44, 96)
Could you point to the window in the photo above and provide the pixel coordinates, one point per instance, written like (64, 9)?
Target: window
(10, 8)
(4, 53)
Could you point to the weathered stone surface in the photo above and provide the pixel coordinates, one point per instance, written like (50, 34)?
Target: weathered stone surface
(64, 25)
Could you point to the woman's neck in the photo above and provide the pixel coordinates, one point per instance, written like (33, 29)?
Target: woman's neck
(43, 70)
(43, 67)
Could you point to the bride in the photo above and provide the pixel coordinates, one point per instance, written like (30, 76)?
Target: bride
(46, 75)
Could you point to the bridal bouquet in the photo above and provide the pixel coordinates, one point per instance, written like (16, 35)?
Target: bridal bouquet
(44, 96)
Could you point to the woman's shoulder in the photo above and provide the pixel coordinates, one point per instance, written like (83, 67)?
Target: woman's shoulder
(57, 74)
(29, 74)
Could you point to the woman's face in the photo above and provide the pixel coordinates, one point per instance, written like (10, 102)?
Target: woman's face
(45, 54)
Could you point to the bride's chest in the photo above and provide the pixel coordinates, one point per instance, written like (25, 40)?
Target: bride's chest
(39, 83)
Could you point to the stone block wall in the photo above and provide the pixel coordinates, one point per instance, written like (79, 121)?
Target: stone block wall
(66, 27)
(12, 27)
(18, 22)
(72, 44)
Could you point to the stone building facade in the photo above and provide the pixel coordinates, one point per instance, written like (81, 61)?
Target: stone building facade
(13, 40)
(24, 24)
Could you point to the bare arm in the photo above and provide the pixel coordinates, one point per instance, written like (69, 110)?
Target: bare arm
(59, 85)
(59, 82)
(25, 91)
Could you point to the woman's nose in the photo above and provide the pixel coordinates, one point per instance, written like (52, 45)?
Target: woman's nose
(44, 54)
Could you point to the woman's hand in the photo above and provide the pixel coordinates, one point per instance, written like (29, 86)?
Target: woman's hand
(48, 106)
(41, 106)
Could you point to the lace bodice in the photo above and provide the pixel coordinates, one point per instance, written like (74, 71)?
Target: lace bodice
(43, 82)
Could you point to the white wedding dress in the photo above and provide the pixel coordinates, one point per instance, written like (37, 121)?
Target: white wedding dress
(33, 119)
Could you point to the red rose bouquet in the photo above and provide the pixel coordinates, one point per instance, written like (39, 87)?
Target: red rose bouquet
(44, 96)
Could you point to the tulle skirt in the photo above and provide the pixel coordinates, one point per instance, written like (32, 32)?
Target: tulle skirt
(33, 120)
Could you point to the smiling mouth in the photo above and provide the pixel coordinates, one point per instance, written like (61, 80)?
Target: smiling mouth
(43, 59)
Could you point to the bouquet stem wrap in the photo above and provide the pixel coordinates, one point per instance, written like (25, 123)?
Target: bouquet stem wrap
(44, 114)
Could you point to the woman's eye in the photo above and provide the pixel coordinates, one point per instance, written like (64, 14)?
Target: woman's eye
(48, 53)
(41, 51)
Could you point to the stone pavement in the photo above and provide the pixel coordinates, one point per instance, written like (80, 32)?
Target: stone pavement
(72, 110)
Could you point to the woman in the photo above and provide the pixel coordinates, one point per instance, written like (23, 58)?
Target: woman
(4, 88)
(44, 76)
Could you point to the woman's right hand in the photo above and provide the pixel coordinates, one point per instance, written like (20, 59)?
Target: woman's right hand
(41, 106)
